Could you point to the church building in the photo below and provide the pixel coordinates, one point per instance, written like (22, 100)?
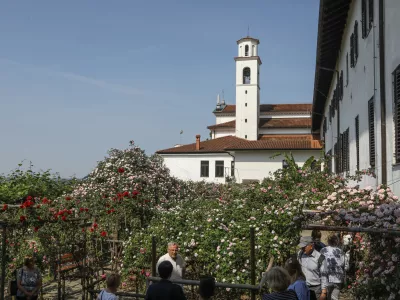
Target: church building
(247, 135)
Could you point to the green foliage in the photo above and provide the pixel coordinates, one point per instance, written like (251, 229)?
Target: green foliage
(19, 184)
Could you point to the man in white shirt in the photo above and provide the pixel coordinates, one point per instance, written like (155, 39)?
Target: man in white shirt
(313, 265)
(176, 260)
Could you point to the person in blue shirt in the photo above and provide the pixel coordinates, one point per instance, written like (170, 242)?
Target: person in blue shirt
(297, 278)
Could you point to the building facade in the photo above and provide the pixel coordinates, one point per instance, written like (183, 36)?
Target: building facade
(248, 140)
(357, 89)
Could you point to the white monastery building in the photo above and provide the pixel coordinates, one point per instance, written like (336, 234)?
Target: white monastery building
(356, 105)
(247, 135)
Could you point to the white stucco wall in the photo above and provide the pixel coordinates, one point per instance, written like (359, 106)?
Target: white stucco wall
(224, 119)
(283, 115)
(363, 78)
(392, 61)
(247, 94)
(364, 83)
(285, 131)
(187, 166)
(259, 164)
(223, 132)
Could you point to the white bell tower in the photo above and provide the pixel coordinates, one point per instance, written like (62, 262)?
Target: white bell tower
(247, 88)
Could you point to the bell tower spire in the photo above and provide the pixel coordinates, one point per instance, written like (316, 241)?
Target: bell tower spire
(247, 88)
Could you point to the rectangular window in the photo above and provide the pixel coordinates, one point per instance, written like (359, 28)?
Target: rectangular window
(396, 94)
(345, 151)
(352, 64)
(219, 168)
(245, 120)
(355, 42)
(340, 153)
(204, 168)
(347, 69)
(358, 142)
(284, 164)
(370, 13)
(329, 158)
(371, 130)
(336, 157)
(232, 168)
(341, 85)
(245, 104)
(367, 16)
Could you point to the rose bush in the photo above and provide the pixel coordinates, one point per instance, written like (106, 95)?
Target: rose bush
(131, 197)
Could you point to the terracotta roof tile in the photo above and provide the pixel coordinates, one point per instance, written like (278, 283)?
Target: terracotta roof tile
(271, 108)
(271, 123)
(223, 144)
(307, 137)
(230, 124)
(285, 123)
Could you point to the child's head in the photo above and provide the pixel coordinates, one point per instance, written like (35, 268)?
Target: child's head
(113, 281)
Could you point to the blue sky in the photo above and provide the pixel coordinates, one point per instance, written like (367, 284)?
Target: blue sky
(80, 77)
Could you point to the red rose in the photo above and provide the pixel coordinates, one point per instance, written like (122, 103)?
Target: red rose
(22, 218)
(39, 218)
(64, 218)
(103, 233)
(91, 229)
(36, 229)
(81, 209)
(5, 206)
(126, 194)
(29, 198)
(38, 206)
(135, 193)
(95, 225)
(121, 170)
(83, 229)
(45, 201)
(67, 198)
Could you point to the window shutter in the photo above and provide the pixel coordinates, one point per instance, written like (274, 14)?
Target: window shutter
(371, 129)
(341, 85)
(370, 13)
(396, 92)
(352, 51)
(329, 154)
(330, 113)
(355, 42)
(336, 154)
(347, 151)
(364, 18)
(347, 69)
(358, 142)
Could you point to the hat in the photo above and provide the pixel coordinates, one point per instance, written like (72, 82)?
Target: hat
(304, 241)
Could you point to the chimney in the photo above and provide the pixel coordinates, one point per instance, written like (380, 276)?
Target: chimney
(198, 142)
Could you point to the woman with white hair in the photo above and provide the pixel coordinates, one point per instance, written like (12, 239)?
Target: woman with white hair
(278, 280)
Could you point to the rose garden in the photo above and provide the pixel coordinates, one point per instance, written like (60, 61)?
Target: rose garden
(107, 221)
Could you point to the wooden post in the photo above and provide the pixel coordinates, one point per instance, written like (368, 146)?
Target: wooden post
(3, 261)
(252, 262)
(153, 256)
(59, 295)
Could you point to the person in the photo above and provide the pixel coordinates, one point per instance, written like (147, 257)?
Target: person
(335, 266)
(113, 282)
(278, 280)
(29, 280)
(297, 278)
(316, 236)
(313, 266)
(175, 259)
(165, 289)
(207, 287)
